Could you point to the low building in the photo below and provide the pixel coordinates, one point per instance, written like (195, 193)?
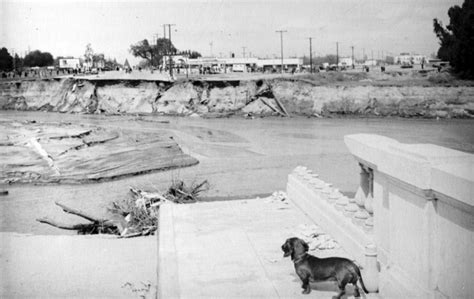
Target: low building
(245, 64)
(370, 62)
(345, 62)
(69, 63)
(275, 64)
(406, 58)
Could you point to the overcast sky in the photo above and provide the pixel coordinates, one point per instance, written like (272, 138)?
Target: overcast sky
(65, 27)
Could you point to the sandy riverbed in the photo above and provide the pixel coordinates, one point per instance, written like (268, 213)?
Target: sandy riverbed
(240, 157)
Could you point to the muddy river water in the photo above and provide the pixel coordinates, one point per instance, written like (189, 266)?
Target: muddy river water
(241, 158)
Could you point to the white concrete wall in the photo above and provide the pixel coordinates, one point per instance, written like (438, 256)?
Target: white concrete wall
(423, 214)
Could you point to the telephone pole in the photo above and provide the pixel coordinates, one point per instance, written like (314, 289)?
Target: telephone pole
(243, 51)
(310, 54)
(337, 54)
(281, 46)
(352, 47)
(210, 45)
(14, 60)
(164, 31)
(169, 48)
(155, 37)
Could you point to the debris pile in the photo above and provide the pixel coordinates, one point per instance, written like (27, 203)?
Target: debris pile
(134, 216)
(316, 238)
(277, 196)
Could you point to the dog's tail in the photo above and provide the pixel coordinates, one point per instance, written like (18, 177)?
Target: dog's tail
(360, 280)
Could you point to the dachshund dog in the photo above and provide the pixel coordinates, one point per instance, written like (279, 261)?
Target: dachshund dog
(310, 268)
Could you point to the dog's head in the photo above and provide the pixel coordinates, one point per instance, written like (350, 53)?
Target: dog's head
(294, 247)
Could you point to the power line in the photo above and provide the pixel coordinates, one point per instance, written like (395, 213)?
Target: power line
(281, 46)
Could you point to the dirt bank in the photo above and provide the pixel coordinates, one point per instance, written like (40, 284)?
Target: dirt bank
(347, 95)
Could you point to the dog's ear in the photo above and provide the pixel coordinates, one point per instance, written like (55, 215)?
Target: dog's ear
(305, 246)
(300, 247)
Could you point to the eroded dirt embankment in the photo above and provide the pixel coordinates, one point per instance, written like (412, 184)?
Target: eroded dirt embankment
(258, 97)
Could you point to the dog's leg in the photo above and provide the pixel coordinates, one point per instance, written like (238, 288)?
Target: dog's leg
(306, 286)
(342, 286)
(304, 276)
(356, 291)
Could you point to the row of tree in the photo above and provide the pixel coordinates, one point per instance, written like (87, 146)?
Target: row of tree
(34, 58)
(43, 59)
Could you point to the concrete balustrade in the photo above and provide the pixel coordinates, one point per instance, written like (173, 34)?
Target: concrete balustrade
(423, 214)
(328, 207)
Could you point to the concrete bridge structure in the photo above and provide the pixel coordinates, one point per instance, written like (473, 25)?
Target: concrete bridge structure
(410, 226)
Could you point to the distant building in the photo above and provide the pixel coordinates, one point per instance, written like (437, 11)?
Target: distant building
(370, 62)
(100, 64)
(275, 64)
(244, 64)
(69, 63)
(345, 61)
(406, 58)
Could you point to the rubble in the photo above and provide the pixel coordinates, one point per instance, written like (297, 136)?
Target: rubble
(316, 238)
(135, 216)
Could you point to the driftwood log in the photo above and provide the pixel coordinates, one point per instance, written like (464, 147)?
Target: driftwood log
(97, 226)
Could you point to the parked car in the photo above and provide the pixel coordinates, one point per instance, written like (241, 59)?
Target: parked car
(406, 65)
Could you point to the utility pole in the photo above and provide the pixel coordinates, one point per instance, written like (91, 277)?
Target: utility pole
(363, 54)
(210, 45)
(310, 54)
(281, 46)
(155, 37)
(14, 60)
(337, 54)
(169, 49)
(352, 47)
(243, 51)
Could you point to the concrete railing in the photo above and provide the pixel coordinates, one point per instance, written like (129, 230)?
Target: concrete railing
(334, 212)
(423, 207)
